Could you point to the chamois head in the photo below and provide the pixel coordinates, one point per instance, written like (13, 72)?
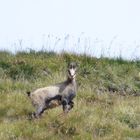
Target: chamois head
(72, 70)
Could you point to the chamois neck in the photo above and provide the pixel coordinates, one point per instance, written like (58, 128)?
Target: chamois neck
(71, 81)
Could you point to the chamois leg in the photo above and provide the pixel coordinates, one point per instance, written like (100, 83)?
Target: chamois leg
(65, 105)
(70, 98)
(71, 103)
(39, 111)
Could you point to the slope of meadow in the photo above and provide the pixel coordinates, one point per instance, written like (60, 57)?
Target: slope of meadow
(107, 106)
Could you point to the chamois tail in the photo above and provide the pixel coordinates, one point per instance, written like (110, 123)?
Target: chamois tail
(28, 93)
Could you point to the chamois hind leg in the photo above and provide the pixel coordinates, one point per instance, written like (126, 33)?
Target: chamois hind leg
(40, 109)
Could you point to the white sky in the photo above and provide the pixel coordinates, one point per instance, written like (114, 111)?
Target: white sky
(107, 20)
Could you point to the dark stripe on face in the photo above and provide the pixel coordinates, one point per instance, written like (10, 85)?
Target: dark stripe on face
(72, 65)
(71, 72)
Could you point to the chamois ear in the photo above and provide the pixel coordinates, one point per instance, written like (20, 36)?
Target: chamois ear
(73, 64)
(77, 64)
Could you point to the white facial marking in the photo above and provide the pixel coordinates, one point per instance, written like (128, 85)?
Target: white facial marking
(72, 72)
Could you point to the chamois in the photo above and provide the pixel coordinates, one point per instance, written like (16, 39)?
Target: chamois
(55, 95)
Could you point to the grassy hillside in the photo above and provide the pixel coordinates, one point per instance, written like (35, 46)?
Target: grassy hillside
(107, 106)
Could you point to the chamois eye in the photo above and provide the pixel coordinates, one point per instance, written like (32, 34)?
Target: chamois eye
(70, 67)
(74, 67)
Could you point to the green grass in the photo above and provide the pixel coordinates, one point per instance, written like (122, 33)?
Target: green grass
(107, 106)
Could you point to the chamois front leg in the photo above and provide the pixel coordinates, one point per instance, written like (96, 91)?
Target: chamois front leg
(65, 105)
(70, 98)
(71, 103)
